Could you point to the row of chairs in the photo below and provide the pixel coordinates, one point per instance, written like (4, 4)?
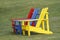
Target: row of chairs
(34, 22)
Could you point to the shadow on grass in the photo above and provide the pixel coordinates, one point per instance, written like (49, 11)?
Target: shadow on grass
(26, 33)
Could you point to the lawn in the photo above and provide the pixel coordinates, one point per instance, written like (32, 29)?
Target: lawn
(19, 9)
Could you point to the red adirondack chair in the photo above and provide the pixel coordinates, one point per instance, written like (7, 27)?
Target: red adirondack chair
(28, 17)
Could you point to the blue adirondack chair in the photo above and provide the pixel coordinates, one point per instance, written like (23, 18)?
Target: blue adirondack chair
(35, 15)
(18, 24)
(18, 27)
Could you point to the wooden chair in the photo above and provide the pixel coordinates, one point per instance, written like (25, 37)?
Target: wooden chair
(28, 17)
(40, 27)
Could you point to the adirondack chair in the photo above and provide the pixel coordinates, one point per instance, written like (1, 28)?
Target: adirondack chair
(39, 28)
(18, 24)
(28, 17)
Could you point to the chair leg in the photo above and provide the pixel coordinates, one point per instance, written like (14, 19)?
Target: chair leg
(20, 32)
(23, 32)
(28, 32)
(13, 30)
(16, 31)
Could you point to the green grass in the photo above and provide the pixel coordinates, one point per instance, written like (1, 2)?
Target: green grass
(19, 9)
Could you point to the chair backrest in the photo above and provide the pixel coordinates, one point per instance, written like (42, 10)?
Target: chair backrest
(35, 14)
(30, 13)
(41, 16)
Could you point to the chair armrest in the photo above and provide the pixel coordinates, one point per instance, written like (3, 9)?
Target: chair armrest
(27, 20)
(18, 18)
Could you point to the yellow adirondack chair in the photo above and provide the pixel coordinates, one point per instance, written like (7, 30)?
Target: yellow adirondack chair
(40, 27)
